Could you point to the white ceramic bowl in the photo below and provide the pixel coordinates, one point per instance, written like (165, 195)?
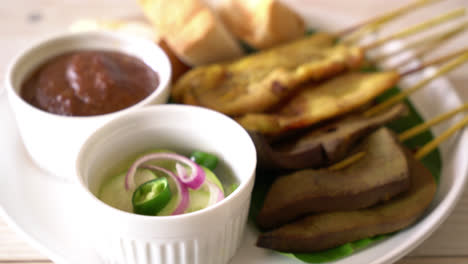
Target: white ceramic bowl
(52, 140)
(211, 235)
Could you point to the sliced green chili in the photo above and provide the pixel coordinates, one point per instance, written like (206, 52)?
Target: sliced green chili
(151, 197)
(207, 160)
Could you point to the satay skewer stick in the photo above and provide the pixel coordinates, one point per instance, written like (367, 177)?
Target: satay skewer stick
(451, 65)
(426, 149)
(420, 54)
(436, 61)
(387, 17)
(424, 126)
(441, 37)
(428, 43)
(371, 27)
(355, 37)
(427, 49)
(348, 161)
(429, 147)
(418, 28)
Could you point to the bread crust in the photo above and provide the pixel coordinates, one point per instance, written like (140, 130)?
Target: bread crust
(261, 23)
(192, 30)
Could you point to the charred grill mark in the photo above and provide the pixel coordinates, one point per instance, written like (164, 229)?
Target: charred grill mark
(227, 75)
(325, 155)
(277, 88)
(331, 129)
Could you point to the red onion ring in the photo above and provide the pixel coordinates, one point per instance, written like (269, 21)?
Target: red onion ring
(216, 194)
(181, 171)
(183, 202)
(194, 180)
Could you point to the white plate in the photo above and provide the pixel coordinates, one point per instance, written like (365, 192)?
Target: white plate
(43, 209)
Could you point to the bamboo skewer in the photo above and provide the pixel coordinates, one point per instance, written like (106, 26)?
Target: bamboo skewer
(432, 44)
(436, 61)
(451, 65)
(348, 161)
(456, 60)
(355, 37)
(421, 153)
(423, 127)
(420, 128)
(418, 28)
(372, 25)
(444, 36)
(378, 22)
(387, 17)
(419, 55)
(425, 45)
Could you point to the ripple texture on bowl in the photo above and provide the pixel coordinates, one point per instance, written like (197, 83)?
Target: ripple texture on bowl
(215, 247)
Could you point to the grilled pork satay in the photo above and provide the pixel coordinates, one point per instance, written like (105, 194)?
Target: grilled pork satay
(319, 102)
(330, 142)
(208, 74)
(304, 196)
(326, 145)
(322, 146)
(327, 230)
(380, 175)
(341, 95)
(446, 68)
(260, 81)
(416, 130)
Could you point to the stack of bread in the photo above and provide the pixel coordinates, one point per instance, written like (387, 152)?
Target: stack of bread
(201, 34)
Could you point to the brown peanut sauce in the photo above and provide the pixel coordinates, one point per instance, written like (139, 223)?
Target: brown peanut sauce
(87, 83)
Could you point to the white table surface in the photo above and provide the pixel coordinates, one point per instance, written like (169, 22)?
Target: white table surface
(23, 21)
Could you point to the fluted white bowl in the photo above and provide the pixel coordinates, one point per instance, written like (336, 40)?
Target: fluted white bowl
(209, 236)
(53, 140)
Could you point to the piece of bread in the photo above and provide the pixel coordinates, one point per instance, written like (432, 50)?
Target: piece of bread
(178, 67)
(192, 30)
(137, 28)
(261, 23)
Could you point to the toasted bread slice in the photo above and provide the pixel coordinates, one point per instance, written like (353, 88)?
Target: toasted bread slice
(192, 30)
(261, 23)
(204, 40)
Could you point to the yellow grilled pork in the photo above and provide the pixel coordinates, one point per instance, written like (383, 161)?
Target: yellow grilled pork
(316, 103)
(257, 82)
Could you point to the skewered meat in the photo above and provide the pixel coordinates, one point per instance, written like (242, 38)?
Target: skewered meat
(257, 82)
(326, 230)
(381, 174)
(319, 102)
(321, 146)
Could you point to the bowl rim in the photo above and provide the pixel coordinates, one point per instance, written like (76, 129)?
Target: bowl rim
(244, 186)
(38, 45)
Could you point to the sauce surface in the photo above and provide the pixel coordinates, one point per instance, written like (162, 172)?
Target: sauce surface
(87, 83)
